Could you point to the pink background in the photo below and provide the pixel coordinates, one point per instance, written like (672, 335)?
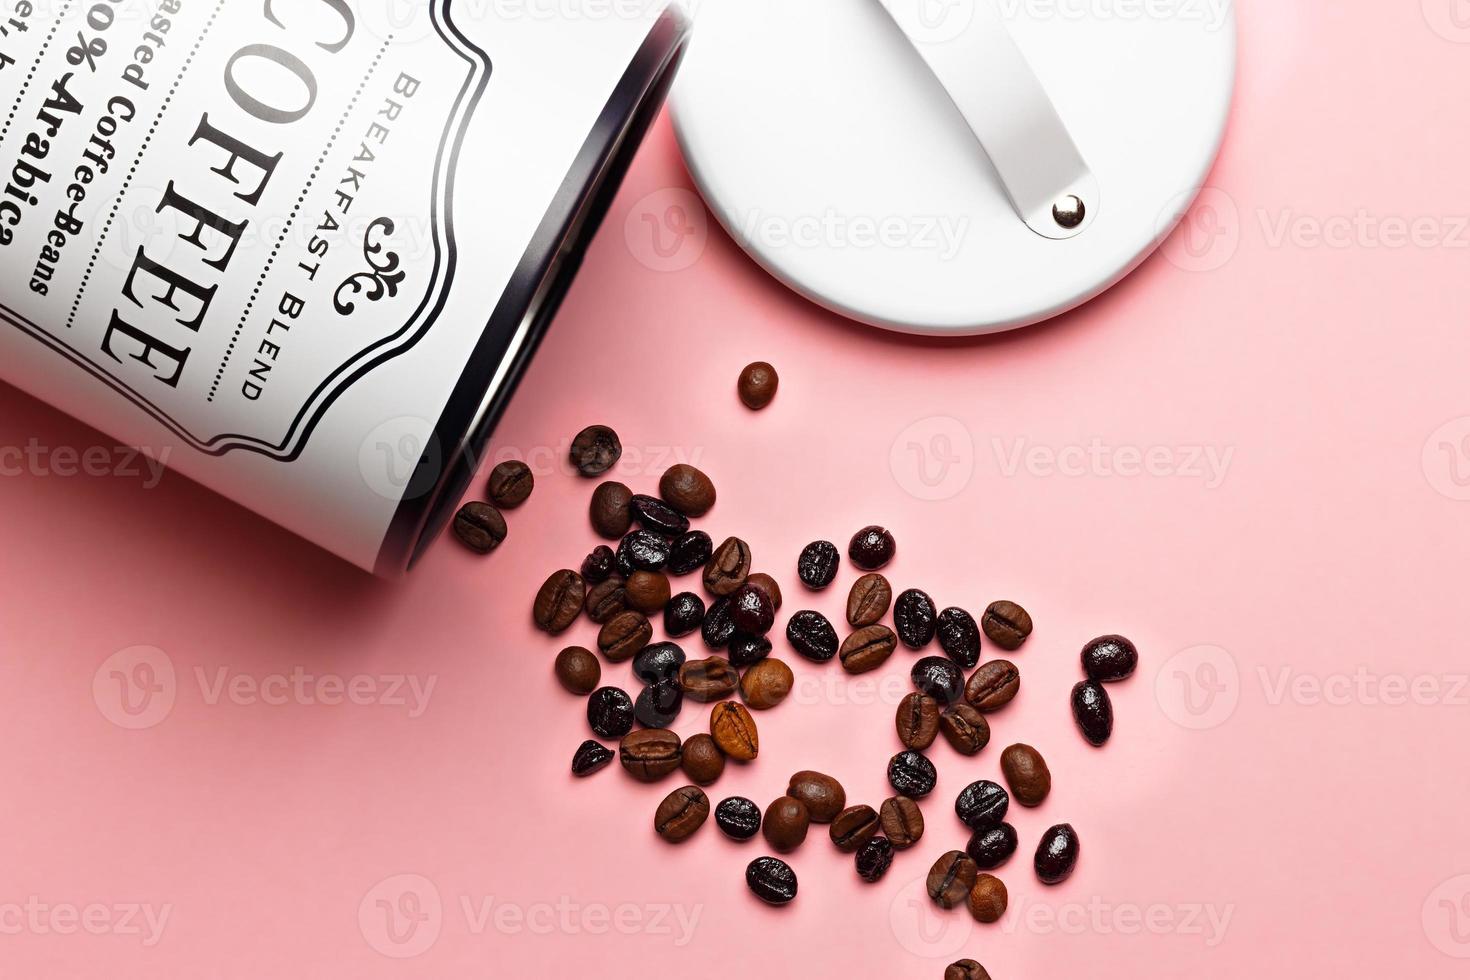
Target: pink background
(1286, 791)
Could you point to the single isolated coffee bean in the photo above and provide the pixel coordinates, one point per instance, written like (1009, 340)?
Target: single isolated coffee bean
(607, 599)
(811, 635)
(734, 731)
(964, 728)
(511, 484)
(659, 704)
(1026, 774)
(610, 712)
(657, 516)
(868, 600)
(872, 548)
(644, 550)
(690, 552)
(590, 757)
(1093, 710)
(752, 611)
(480, 527)
(902, 821)
(874, 859)
(772, 880)
(596, 450)
(650, 754)
(624, 635)
(746, 651)
(708, 680)
(727, 568)
(939, 678)
(599, 565)
(1056, 855)
(988, 899)
(854, 827)
(767, 585)
(959, 637)
(681, 813)
(766, 683)
(559, 601)
(1109, 658)
(982, 804)
(817, 564)
(914, 614)
(718, 629)
(951, 878)
(965, 970)
(993, 846)
(648, 592)
(687, 490)
(738, 818)
(1006, 624)
(824, 796)
(867, 649)
(578, 670)
(609, 510)
(757, 385)
(703, 761)
(683, 615)
(785, 824)
(912, 775)
(917, 721)
(993, 686)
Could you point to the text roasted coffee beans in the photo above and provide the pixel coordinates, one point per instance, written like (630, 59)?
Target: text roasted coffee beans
(871, 548)
(1006, 624)
(914, 614)
(1056, 855)
(738, 818)
(681, 813)
(480, 527)
(1109, 658)
(1093, 710)
(595, 450)
(772, 880)
(559, 601)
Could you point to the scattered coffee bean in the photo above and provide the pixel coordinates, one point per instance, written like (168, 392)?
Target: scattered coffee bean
(650, 754)
(690, 552)
(1006, 624)
(598, 565)
(648, 592)
(785, 824)
(610, 712)
(766, 684)
(758, 384)
(703, 761)
(645, 550)
(511, 484)
(874, 859)
(590, 757)
(951, 878)
(687, 490)
(683, 615)
(708, 680)
(609, 510)
(767, 585)
(1093, 710)
(939, 678)
(1026, 774)
(1109, 658)
(578, 670)
(734, 731)
(917, 721)
(746, 651)
(964, 728)
(872, 548)
(854, 827)
(624, 635)
(607, 599)
(681, 813)
(868, 600)
(817, 565)
(727, 567)
(982, 804)
(480, 527)
(824, 796)
(772, 880)
(752, 610)
(657, 516)
(965, 970)
(718, 628)
(867, 649)
(659, 704)
(914, 614)
(912, 775)
(596, 450)
(993, 846)
(902, 821)
(559, 601)
(993, 686)
(811, 635)
(959, 637)
(738, 818)
(988, 899)
(1056, 855)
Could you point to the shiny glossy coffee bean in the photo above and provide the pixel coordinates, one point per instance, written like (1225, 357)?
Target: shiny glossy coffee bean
(993, 846)
(914, 614)
(959, 637)
(1006, 624)
(703, 761)
(648, 592)
(993, 686)
(655, 515)
(817, 564)
(867, 649)
(644, 550)
(607, 599)
(982, 804)
(988, 899)
(1109, 658)
(681, 813)
(590, 757)
(965, 970)
(650, 754)
(609, 510)
(939, 678)
(718, 629)
(912, 775)
(689, 553)
(874, 859)
(902, 821)
(950, 879)
(734, 731)
(610, 712)
(710, 679)
(772, 880)
(1093, 711)
(599, 565)
(964, 728)
(766, 684)
(727, 568)
(917, 721)
(578, 670)
(824, 796)
(746, 651)
(1056, 855)
(683, 615)
(738, 818)
(757, 385)
(480, 527)
(559, 601)
(868, 600)
(854, 827)
(811, 635)
(872, 548)
(767, 585)
(1026, 774)
(752, 611)
(511, 484)
(687, 490)
(785, 824)
(595, 450)
(658, 705)
(624, 635)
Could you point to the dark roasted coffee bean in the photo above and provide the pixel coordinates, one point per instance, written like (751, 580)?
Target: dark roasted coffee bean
(623, 562)
(868, 600)
(578, 670)
(681, 813)
(874, 859)
(959, 637)
(703, 761)
(853, 827)
(1026, 774)
(659, 704)
(645, 550)
(872, 548)
(982, 804)
(965, 970)
(607, 599)
(913, 615)
(690, 552)
(964, 728)
(746, 651)
(912, 775)
(734, 731)
(817, 565)
(757, 385)
(902, 821)
(598, 565)
(767, 585)
(609, 510)
(708, 680)
(993, 686)
(610, 712)
(766, 684)
(590, 757)
(624, 635)
(785, 824)
(511, 484)
(772, 880)
(752, 611)
(596, 450)
(939, 678)
(951, 878)
(480, 527)
(683, 615)
(811, 635)
(993, 846)
(727, 568)
(1056, 855)
(559, 601)
(917, 720)
(824, 796)
(655, 515)
(1093, 710)
(738, 818)
(1006, 624)
(648, 592)
(687, 490)
(867, 649)
(1109, 658)
(718, 628)
(650, 754)
(988, 899)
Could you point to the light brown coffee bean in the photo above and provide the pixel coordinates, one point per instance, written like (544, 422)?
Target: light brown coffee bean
(766, 683)
(687, 490)
(1026, 773)
(951, 878)
(988, 899)
(648, 592)
(607, 599)
(902, 821)
(917, 721)
(868, 600)
(609, 511)
(578, 670)
(650, 754)
(511, 484)
(559, 601)
(624, 635)
(854, 827)
(965, 970)
(681, 813)
(480, 527)
(757, 385)
(708, 680)
(785, 824)
(728, 567)
(734, 731)
(767, 585)
(703, 761)
(964, 728)
(867, 649)
(824, 796)
(1006, 624)
(993, 685)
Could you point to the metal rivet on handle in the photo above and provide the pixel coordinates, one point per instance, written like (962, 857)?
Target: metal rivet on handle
(1069, 211)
